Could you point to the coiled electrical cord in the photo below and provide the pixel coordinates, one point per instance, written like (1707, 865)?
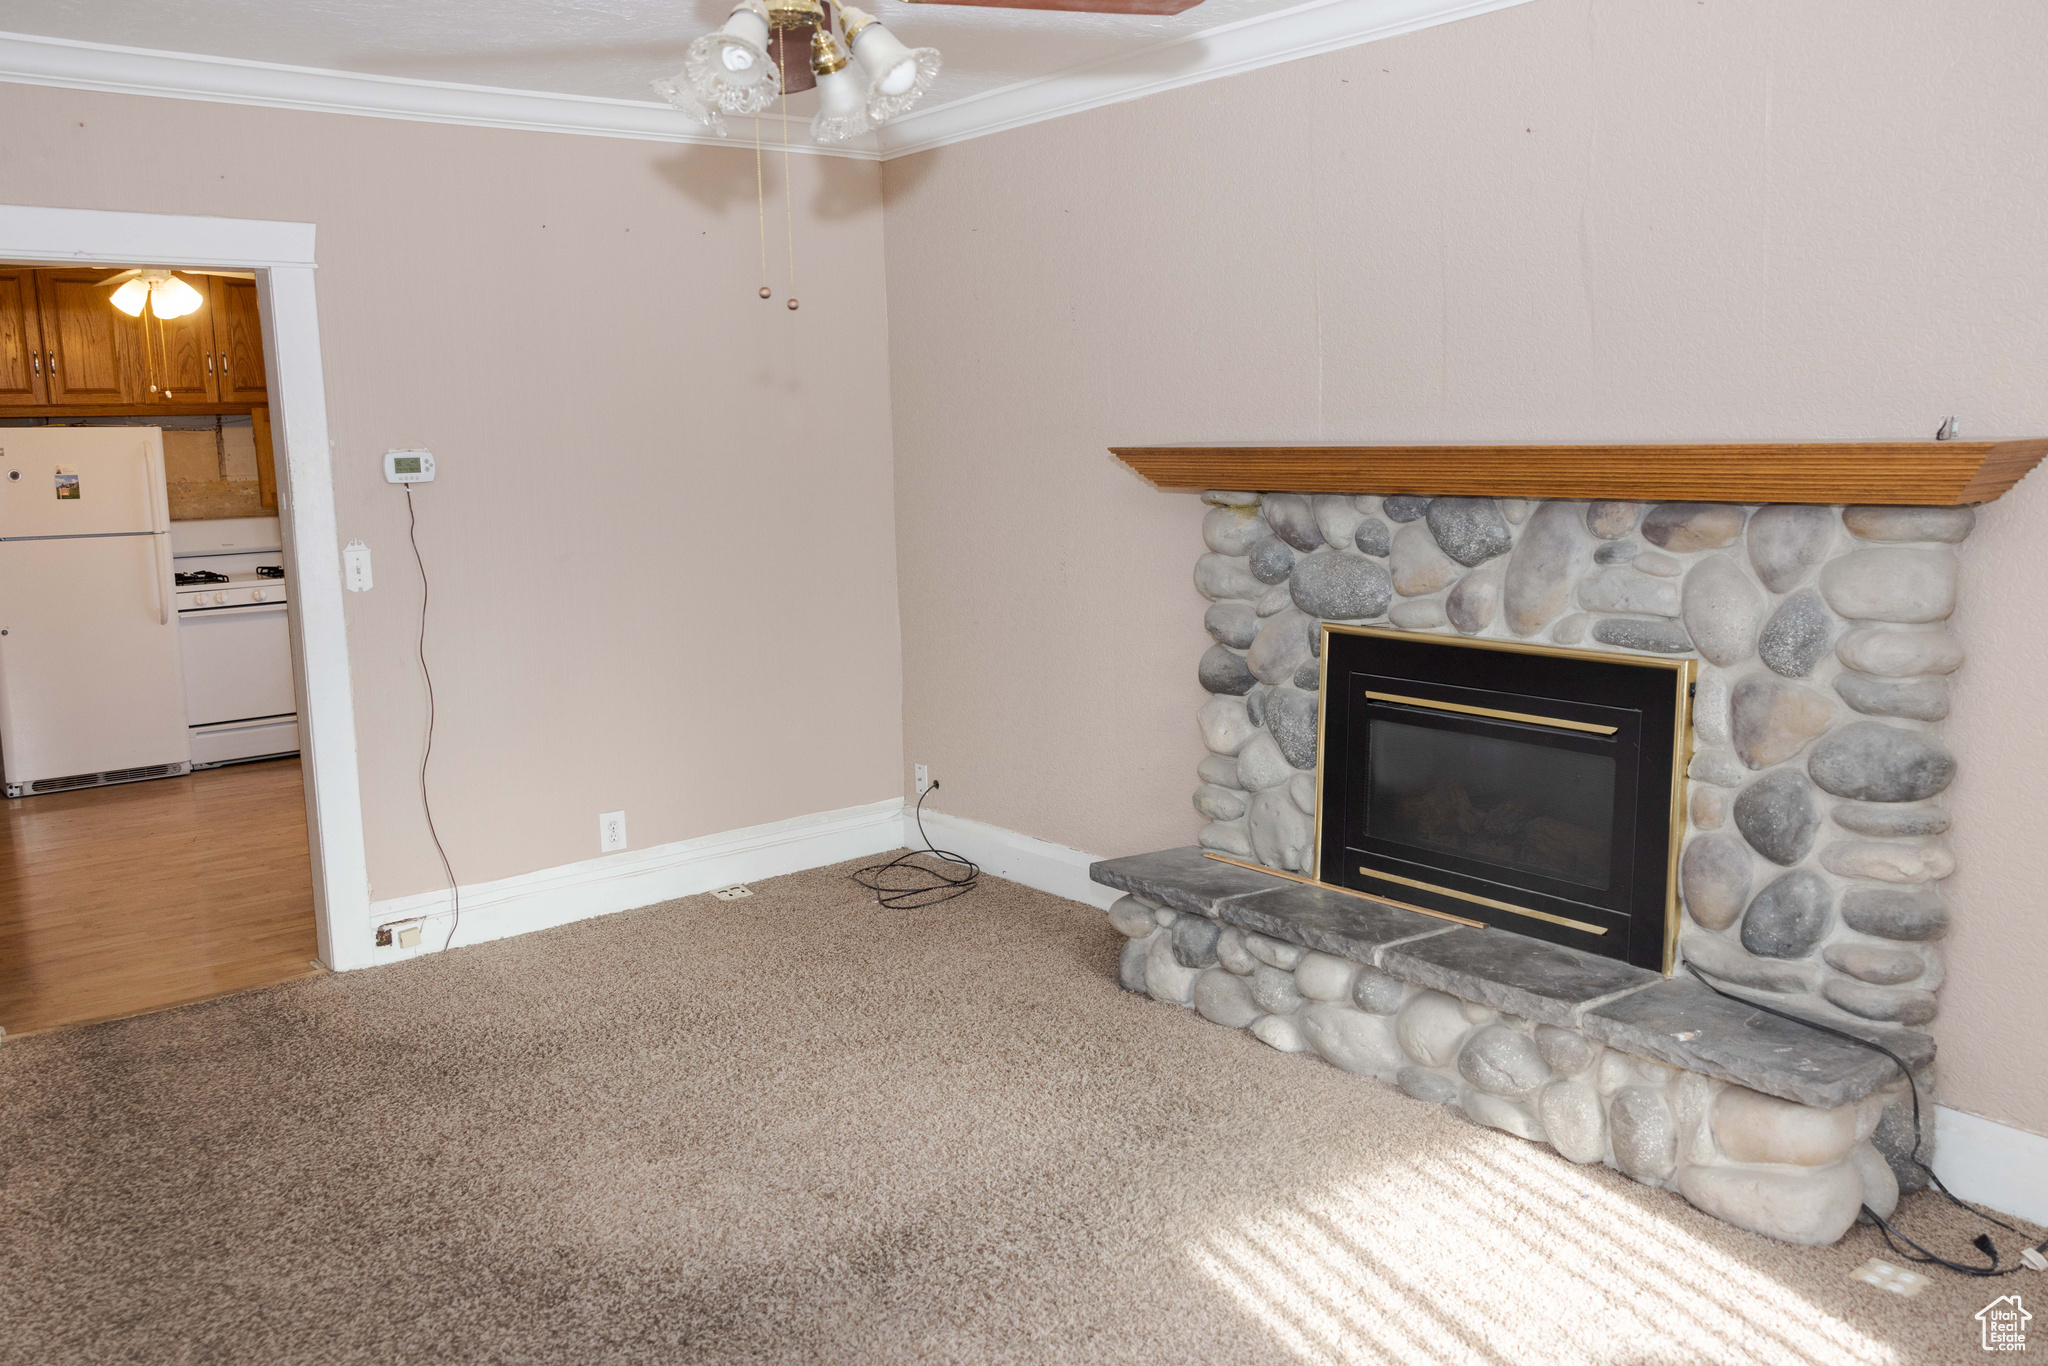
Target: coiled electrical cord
(1982, 1242)
(914, 884)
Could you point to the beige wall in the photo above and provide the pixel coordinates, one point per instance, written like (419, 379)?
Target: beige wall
(1566, 221)
(661, 540)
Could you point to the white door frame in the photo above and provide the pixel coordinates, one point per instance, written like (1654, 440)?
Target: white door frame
(281, 254)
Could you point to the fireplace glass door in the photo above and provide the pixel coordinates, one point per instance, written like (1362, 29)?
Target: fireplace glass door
(1532, 792)
(1494, 795)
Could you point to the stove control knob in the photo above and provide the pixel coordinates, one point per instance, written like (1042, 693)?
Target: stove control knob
(255, 595)
(220, 597)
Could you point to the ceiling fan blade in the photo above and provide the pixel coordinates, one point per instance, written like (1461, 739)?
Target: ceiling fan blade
(117, 279)
(230, 274)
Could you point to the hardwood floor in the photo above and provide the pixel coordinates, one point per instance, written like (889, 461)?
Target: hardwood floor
(119, 900)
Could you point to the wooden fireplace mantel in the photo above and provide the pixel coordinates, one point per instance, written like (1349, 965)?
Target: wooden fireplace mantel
(1913, 473)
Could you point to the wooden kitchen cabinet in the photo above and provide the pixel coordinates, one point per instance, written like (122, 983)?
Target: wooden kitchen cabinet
(21, 341)
(92, 351)
(182, 364)
(238, 341)
(66, 350)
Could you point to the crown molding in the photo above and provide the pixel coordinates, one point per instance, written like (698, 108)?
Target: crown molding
(1225, 50)
(1228, 49)
(26, 59)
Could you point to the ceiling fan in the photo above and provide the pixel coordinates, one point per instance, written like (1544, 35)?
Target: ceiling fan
(770, 49)
(166, 295)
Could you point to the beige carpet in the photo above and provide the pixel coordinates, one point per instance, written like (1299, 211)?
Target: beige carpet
(802, 1129)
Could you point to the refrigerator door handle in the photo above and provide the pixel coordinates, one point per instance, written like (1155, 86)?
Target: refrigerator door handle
(163, 577)
(157, 492)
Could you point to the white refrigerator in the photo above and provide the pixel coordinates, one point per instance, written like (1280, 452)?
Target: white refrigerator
(91, 686)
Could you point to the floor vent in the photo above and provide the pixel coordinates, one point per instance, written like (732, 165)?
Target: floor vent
(119, 775)
(129, 775)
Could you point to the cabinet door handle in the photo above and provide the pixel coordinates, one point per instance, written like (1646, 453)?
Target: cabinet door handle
(209, 365)
(50, 359)
(36, 360)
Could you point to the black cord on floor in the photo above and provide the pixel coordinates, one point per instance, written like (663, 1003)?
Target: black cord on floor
(1982, 1242)
(915, 884)
(454, 888)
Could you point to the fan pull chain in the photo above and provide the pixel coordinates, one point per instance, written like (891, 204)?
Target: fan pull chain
(788, 196)
(761, 209)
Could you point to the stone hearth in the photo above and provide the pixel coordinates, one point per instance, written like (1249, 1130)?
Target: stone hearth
(1759, 1121)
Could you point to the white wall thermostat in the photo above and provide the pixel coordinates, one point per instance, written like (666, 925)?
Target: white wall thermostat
(409, 467)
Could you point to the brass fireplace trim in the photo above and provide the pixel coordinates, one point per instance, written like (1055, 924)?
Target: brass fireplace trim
(1464, 710)
(1308, 881)
(1684, 671)
(1484, 901)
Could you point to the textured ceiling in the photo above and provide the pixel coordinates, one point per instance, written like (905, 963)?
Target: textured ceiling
(607, 48)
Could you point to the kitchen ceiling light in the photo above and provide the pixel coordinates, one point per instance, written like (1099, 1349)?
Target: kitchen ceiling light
(173, 298)
(130, 298)
(166, 295)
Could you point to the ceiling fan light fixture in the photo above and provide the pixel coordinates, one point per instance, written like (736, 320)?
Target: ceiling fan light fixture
(676, 90)
(173, 298)
(842, 99)
(730, 71)
(130, 298)
(896, 76)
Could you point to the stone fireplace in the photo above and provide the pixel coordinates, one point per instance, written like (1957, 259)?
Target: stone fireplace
(1801, 865)
(1810, 864)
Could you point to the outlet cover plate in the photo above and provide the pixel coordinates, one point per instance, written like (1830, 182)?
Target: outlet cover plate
(611, 832)
(732, 893)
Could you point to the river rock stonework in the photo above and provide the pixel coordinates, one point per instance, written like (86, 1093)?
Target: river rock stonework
(1793, 1171)
(1814, 860)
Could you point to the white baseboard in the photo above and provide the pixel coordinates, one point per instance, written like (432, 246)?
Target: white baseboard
(639, 877)
(1992, 1164)
(1036, 863)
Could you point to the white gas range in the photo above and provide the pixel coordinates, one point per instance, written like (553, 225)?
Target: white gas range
(235, 636)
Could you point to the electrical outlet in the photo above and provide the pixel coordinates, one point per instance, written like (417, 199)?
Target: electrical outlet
(611, 832)
(732, 893)
(924, 779)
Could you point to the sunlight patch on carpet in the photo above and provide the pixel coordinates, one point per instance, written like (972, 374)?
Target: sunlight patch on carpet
(1494, 1254)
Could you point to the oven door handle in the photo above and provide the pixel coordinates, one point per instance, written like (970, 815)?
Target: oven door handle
(241, 610)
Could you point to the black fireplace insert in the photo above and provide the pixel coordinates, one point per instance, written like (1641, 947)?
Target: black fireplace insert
(1529, 787)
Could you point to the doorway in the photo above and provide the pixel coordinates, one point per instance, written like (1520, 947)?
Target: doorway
(154, 848)
(176, 823)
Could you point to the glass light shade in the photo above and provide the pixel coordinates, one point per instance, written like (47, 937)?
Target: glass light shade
(730, 70)
(130, 298)
(676, 90)
(842, 107)
(173, 298)
(897, 76)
